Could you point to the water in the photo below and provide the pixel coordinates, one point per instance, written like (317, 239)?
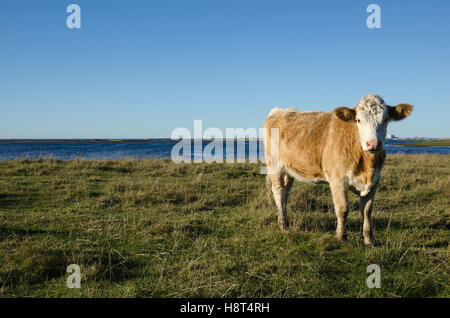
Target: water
(148, 149)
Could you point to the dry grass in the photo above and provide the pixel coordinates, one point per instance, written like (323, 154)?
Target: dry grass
(152, 228)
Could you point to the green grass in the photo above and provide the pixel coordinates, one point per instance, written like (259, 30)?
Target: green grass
(152, 228)
(436, 143)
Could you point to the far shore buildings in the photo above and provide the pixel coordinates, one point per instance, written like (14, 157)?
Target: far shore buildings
(393, 137)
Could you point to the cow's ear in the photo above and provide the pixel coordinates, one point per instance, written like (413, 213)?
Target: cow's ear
(400, 111)
(345, 114)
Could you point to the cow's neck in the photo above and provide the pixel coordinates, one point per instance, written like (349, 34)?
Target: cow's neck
(368, 166)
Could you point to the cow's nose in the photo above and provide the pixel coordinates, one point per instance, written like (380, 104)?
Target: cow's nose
(372, 145)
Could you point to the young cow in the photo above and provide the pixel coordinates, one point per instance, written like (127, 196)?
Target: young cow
(343, 147)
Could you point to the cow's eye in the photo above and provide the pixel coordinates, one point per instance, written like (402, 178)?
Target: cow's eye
(358, 121)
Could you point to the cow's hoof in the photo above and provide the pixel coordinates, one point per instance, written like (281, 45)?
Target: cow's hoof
(342, 237)
(283, 226)
(369, 242)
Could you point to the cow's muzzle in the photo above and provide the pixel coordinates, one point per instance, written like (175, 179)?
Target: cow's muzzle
(373, 145)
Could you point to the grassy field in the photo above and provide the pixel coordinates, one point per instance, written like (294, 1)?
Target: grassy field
(152, 228)
(435, 143)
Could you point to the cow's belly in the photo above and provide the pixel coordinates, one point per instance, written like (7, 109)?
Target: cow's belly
(301, 178)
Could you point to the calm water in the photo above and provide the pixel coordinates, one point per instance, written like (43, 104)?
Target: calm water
(146, 149)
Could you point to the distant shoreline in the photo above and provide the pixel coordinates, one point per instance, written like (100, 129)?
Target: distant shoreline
(113, 140)
(434, 143)
(420, 141)
(92, 140)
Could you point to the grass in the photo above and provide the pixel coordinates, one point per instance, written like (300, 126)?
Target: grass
(436, 143)
(152, 228)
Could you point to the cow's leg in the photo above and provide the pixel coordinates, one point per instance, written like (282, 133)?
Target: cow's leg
(366, 206)
(269, 190)
(277, 180)
(339, 190)
(288, 182)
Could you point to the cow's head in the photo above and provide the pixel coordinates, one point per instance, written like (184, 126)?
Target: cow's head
(372, 116)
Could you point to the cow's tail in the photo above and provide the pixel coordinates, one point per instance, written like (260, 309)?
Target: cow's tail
(269, 189)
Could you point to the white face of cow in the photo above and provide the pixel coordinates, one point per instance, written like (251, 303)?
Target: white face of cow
(371, 117)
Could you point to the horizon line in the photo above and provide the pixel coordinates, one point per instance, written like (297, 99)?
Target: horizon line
(169, 139)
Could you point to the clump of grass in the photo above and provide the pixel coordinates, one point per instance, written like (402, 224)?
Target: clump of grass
(153, 228)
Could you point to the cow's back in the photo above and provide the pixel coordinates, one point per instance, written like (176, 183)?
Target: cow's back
(302, 137)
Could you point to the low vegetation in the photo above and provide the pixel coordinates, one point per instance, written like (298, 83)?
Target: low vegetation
(152, 228)
(434, 143)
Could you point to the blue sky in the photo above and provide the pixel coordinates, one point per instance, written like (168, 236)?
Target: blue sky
(139, 69)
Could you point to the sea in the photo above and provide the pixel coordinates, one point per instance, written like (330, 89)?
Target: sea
(157, 148)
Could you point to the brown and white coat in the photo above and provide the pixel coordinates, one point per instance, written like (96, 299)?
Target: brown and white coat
(343, 148)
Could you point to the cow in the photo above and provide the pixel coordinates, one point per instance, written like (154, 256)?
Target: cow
(344, 148)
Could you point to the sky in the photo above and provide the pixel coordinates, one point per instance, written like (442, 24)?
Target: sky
(140, 69)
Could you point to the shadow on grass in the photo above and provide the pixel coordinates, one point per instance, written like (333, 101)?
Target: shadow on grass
(114, 267)
(11, 200)
(438, 244)
(6, 232)
(196, 230)
(35, 267)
